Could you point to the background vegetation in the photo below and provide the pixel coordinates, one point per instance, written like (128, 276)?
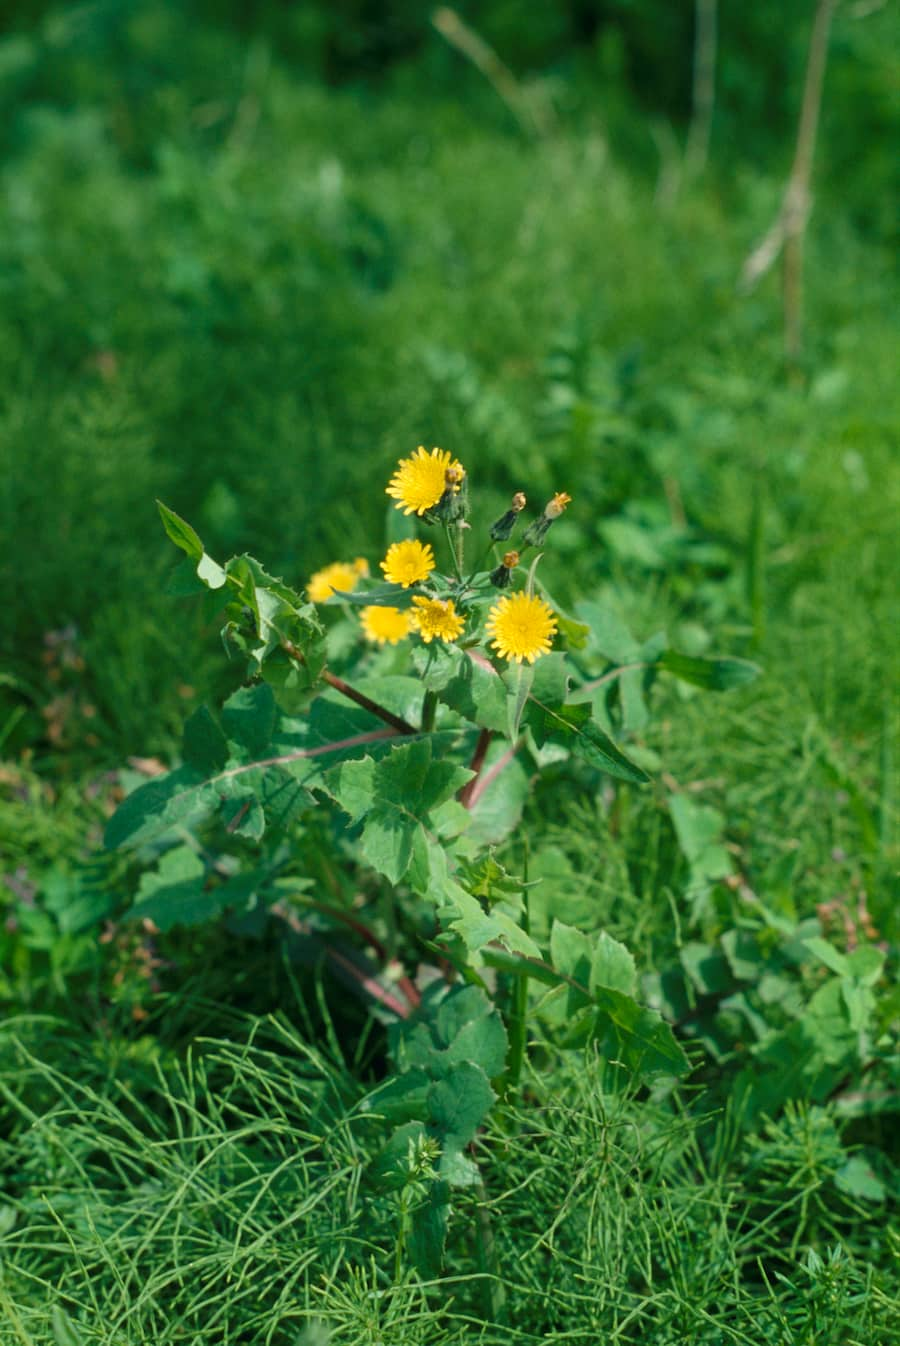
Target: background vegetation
(249, 256)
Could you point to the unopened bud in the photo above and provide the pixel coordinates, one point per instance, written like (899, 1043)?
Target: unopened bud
(537, 531)
(502, 529)
(501, 577)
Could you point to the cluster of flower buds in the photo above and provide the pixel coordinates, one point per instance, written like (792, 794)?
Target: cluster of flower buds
(533, 536)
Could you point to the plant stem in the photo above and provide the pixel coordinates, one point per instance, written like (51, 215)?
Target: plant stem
(454, 542)
(402, 726)
(518, 1019)
(477, 762)
(495, 1290)
(429, 710)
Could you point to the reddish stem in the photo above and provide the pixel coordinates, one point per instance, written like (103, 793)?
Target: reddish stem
(465, 794)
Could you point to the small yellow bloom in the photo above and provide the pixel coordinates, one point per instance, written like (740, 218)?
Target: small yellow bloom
(385, 626)
(408, 562)
(421, 480)
(522, 627)
(343, 575)
(435, 617)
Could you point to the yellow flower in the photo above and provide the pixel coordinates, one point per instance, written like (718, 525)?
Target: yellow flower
(421, 480)
(385, 626)
(435, 617)
(555, 507)
(522, 627)
(408, 562)
(342, 575)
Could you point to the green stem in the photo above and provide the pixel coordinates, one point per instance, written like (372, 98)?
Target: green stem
(518, 1021)
(429, 710)
(455, 545)
(488, 1261)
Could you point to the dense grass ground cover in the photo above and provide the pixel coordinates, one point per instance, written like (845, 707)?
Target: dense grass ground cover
(248, 294)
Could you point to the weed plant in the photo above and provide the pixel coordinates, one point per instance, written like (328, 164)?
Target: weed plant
(245, 293)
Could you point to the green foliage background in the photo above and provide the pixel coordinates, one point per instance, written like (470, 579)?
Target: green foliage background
(249, 256)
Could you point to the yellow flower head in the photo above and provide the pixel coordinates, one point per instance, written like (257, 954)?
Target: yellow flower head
(522, 627)
(408, 562)
(435, 617)
(421, 480)
(343, 575)
(385, 626)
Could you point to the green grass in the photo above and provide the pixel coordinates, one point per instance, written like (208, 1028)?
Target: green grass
(249, 295)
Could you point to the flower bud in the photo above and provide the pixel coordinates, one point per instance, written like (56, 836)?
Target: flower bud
(502, 529)
(537, 530)
(501, 577)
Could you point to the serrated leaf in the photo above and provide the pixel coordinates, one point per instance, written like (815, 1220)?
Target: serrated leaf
(458, 1104)
(712, 674)
(393, 797)
(612, 965)
(380, 596)
(707, 968)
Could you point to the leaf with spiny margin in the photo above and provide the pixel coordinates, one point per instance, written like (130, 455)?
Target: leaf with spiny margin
(713, 674)
(571, 952)
(460, 912)
(429, 1230)
(393, 798)
(571, 726)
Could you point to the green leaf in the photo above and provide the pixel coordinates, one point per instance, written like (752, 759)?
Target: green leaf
(429, 1231)
(180, 532)
(184, 796)
(204, 747)
(859, 1179)
(571, 952)
(175, 893)
(714, 675)
(393, 797)
(636, 1036)
(699, 830)
(477, 692)
(707, 968)
(248, 719)
(458, 1104)
(498, 809)
(460, 912)
(571, 726)
(380, 596)
(612, 965)
(827, 954)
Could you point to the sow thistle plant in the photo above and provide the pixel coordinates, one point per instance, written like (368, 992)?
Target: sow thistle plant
(404, 715)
